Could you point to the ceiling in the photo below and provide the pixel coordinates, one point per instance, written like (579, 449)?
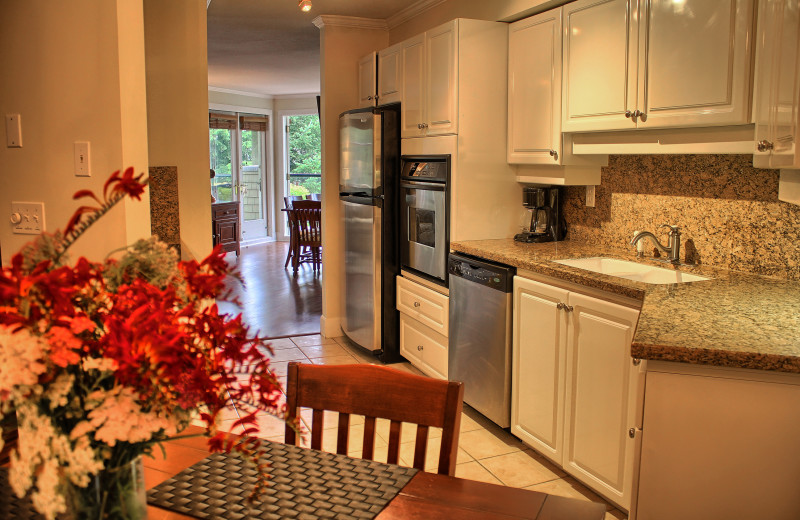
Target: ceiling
(270, 47)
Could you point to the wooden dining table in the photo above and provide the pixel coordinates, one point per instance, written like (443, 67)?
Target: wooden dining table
(425, 496)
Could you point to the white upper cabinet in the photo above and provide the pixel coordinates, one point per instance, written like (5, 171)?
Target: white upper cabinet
(441, 85)
(429, 71)
(534, 89)
(366, 80)
(412, 112)
(389, 75)
(656, 63)
(777, 84)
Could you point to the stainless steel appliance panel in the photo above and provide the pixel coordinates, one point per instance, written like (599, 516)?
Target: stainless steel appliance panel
(479, 350)
(423, 221)
(359, 155)
(362, 278)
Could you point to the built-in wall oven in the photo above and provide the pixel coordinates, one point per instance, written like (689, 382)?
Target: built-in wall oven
(424, 215)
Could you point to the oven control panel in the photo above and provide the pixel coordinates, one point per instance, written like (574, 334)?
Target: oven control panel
(431, 168)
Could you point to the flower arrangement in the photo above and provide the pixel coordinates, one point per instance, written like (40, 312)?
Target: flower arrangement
(103, 361)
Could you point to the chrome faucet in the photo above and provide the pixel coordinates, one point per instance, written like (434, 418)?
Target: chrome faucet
(674, 247)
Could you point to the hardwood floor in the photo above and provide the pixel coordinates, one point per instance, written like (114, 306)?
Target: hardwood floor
(273, 300)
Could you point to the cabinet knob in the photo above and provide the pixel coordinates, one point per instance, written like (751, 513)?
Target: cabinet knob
(419, 125)
(638, 114)
(369, 98)
(765, 145)
(419, 347)
(632, 433)
(637, 362)
(628, 114)
(564, 307)
(416, 304)
(554, 155)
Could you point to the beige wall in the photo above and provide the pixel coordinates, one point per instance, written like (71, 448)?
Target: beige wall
(73, 71)
(239, 100)
(340, 49)
(177, 110)
(495, 10)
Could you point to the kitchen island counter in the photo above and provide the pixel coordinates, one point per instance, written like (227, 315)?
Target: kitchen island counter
(734, 319)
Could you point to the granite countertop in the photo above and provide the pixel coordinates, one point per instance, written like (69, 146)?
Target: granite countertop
(734, 320)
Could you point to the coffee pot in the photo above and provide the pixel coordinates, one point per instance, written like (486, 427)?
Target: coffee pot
(542, 218)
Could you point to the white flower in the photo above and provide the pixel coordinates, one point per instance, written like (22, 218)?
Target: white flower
(58, 390)
(21, 358)
(46, 499)
(102, 364)
(119, 417)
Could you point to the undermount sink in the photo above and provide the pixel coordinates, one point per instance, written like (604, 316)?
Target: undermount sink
(631, 270)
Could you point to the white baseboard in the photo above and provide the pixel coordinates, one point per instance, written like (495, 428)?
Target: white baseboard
(330, 327)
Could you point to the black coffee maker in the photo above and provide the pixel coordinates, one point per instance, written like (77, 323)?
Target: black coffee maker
(547, 223)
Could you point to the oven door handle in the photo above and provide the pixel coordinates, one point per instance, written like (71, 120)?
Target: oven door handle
(423, 186)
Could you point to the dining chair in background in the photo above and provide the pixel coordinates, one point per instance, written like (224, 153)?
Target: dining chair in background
(377, 392)
(305, 221)
(315, 196)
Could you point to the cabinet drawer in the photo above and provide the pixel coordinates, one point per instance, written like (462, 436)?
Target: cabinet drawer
(423, 304)
(225, 211)
(425, 348)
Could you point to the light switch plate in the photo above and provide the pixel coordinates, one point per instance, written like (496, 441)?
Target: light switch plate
(83, 167)
(14, 130)
(27, 218)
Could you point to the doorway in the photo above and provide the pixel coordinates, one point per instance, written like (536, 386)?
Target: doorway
(238, 154)
(302, 157)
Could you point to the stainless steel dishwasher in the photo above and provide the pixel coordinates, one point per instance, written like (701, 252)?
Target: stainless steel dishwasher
(479, 348)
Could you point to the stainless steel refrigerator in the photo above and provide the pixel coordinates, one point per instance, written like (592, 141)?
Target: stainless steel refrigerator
(369, 165)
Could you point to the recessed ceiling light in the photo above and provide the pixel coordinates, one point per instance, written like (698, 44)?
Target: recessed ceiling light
(305, 5)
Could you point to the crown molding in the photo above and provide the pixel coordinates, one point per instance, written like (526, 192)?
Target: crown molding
(349, 21)
(240, 92)
(411, 11)
(307, 95)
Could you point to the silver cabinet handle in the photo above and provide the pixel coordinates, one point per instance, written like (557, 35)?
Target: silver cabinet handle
(637, 362)
(419, 347)
(765, 145)
(637, 114)
(564, 307)
(632, 433)
(369, 98)
(419, 125)
(628, 114)
(554, 155)
(416, 304)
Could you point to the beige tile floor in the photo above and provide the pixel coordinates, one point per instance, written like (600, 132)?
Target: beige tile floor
(486, 452)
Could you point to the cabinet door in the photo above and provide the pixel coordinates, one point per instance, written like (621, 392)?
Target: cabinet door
(777, 84)
(441, 79)
(534, 89)
(423, 347)
(694, 63)
(600, 65)
(412, 80)
(602, 386)
(389, 75)
(539, 360)
(366, 80)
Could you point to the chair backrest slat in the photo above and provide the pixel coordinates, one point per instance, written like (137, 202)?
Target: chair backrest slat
(343, 433)
(368, 449)
(421, 448)
(378, 392)
(317, 428)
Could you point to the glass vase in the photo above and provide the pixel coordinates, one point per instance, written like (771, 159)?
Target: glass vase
(113, 494)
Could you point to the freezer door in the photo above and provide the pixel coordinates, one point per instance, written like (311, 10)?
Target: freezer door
(359, 155)
(362, 274)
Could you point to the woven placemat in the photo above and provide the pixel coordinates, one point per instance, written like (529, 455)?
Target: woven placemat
(304, 484)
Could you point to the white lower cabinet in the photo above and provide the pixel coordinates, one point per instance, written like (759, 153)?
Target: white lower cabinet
(576, 392)
(423, 347)
(424, 326)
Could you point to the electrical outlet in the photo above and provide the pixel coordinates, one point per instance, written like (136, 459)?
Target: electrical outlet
(589, 196)
(27, 217)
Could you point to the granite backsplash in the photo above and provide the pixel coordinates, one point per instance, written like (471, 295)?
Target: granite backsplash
(728, 211)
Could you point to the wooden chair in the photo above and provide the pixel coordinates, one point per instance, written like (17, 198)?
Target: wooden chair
(377, 392)
(288, 201)
(306, 219)
(287, 204)
(315, 196)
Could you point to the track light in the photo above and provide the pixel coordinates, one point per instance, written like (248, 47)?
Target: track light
(304, 5)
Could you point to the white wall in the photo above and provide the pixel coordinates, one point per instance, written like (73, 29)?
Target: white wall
(340, 49)
(73, 70)
(177, 111)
